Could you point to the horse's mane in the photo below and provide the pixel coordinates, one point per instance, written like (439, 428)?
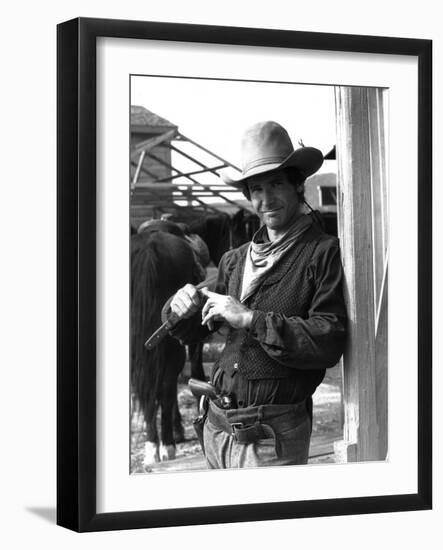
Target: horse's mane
(165, 226)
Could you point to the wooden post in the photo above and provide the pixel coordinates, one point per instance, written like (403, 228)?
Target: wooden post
(362, 233)
(380, 209)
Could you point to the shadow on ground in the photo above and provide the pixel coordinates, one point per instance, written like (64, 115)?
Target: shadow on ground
(48, 514)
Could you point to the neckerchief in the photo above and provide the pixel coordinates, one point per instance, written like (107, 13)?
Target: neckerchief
(263, 255)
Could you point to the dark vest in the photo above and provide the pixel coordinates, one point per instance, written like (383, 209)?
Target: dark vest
(288, 290)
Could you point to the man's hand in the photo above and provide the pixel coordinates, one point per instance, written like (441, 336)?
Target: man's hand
(219, 307)
(186, 301)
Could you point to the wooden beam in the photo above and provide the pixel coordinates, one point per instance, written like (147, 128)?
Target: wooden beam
(137, 170)
(176, 186)
(182, 137)
(194, 173)
(161, 161)
(192, 159)
(150, 143)
(379, 195)
(201, 164)
(144, 170)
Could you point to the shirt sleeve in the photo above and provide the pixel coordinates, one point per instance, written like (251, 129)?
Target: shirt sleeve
(316, 342)
(191, 330)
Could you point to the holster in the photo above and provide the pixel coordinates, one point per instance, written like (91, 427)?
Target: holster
(199, 422)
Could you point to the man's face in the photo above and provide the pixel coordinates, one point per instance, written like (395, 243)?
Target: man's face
(274, 200)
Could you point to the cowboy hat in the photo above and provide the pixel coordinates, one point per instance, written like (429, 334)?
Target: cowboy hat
(266, 146)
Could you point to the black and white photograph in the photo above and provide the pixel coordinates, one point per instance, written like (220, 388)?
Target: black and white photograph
(259, 240)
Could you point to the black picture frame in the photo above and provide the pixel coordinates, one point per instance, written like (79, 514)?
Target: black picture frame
(76, 266)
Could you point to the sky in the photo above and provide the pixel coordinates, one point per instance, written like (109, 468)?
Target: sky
(215, 113)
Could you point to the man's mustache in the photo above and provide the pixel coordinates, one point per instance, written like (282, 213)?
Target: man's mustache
(269, 209)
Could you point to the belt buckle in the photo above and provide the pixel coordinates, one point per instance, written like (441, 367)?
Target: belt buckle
(235, 426)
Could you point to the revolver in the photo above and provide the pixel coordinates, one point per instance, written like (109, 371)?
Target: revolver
(206, 390)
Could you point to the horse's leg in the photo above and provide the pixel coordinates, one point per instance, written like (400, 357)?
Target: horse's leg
(168, 399)
(167, 445)
(151, 444)
(179, 432)
(196, 360)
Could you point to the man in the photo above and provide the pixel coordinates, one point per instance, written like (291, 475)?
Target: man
(281, 299)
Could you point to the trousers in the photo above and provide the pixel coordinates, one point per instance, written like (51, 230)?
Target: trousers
(265, 435)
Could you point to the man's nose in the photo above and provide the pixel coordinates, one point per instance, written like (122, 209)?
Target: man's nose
(268, 195)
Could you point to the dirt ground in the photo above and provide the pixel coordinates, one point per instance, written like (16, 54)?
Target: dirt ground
(326, 428)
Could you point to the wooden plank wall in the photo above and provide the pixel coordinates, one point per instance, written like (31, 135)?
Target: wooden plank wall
(142, 202)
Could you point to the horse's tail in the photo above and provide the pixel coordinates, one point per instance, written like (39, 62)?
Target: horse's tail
(146, 304)
(160, 264)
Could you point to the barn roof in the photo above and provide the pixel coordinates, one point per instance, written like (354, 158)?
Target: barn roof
(140, 116)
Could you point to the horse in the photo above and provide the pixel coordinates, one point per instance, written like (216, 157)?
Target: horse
(214, 229)
(244, 224)
(201, 257)
(161, 263)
